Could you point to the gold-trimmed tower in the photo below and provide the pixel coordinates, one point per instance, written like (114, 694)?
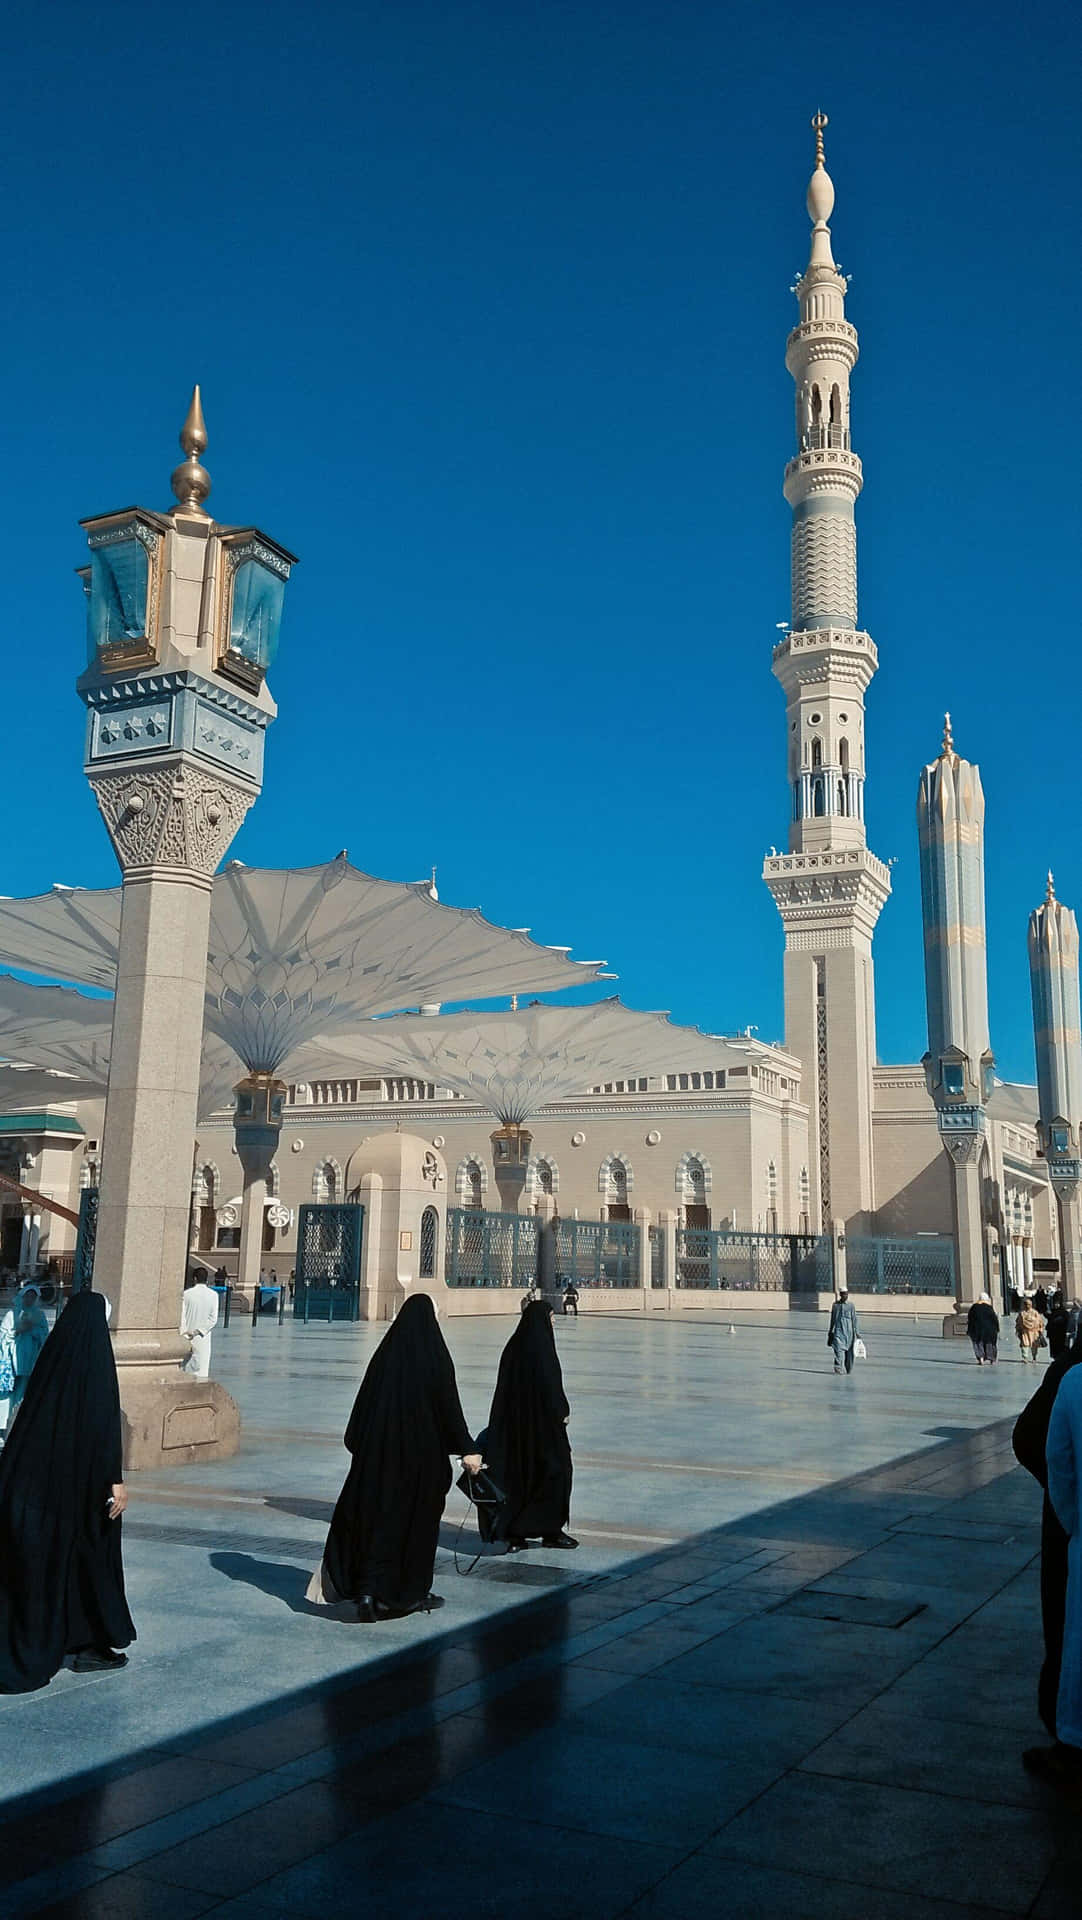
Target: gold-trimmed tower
(828, 888)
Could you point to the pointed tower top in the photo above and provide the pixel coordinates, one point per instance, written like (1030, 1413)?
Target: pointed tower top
(948, 737)
(190, 481)
(1051, 893)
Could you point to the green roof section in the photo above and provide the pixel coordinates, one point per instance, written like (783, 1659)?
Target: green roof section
(40, 1123)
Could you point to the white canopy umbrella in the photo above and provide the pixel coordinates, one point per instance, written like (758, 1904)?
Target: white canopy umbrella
(515, 1062)
(298, 952)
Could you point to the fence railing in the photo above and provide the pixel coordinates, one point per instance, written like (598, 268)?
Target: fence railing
(924, 1264)
(751, 1262)
(500, 1250)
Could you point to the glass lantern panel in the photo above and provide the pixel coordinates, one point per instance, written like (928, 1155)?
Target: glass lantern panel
(953, 1078)
(119, 577)
(256, 613)
(1061, 1140)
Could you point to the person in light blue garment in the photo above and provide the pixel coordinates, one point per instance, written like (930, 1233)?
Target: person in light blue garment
(1063, 1456)
(31, 1333)
(843, 1332)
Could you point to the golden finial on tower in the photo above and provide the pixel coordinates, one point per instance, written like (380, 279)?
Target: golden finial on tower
(190, 481)
(948, 737)
(819, 122)
(1051, 894)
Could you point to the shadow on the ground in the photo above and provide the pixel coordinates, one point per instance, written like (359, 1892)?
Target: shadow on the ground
(281, 1581)
(302, 1509)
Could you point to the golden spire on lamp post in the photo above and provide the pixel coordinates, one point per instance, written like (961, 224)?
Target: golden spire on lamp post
(190, 481)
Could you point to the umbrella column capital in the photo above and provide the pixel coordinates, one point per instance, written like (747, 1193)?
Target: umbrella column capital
(510, 1161)
(257, 1129)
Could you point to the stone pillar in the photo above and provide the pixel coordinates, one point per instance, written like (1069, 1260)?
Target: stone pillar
(667, 1220)
(641, 1217)
(838, 1256)
(1070, 1251)
(964, 1144)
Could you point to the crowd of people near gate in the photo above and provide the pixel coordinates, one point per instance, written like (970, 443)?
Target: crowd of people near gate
(62, 1493)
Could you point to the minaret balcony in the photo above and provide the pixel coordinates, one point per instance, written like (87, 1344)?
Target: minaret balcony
(825, 653)
(830, 339)
(822, 468)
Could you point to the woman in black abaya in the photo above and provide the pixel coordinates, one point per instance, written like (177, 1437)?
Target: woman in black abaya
(61, 1498)
(406, 1422)
(526, 1445)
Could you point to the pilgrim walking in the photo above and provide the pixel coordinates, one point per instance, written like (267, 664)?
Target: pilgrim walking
(198, 1319)
(61, 1498)
(407, 1421)
(843, 1333)
(525, 1443)
(982, 1326)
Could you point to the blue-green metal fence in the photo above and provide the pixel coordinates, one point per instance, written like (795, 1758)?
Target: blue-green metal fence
(752, 1262)
(924, 1264)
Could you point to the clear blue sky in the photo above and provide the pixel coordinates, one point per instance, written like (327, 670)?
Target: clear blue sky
(489, 305)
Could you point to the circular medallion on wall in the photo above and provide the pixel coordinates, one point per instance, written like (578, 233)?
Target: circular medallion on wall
(578, 1139)
(653, 1138)
(295, 1146)
(438, 1140)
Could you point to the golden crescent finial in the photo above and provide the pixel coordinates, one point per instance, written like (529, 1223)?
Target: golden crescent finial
(819, 122)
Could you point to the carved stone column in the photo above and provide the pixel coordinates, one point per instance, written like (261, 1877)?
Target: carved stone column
(170, 825)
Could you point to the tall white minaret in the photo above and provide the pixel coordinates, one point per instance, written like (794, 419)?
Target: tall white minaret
(828, 889)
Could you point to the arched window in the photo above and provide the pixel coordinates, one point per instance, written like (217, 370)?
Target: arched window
(274, 1180)
(816, 409)
(614, 1183)
(817, 753)
(90, 1173)
(544, 1176)
(843, 755)
(474, 1195)
(430, 1236)
(818, 798)
(835, 406)
(327, 1183)
(843, 797)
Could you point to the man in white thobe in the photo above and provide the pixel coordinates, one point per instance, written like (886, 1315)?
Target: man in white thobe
(198, 1319)
(1063, 1456)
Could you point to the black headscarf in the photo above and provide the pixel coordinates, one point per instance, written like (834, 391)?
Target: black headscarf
(526, 1442)
(406, 1421)
(61, 1574)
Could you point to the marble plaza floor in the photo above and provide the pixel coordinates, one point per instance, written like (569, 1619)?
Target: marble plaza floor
(790, 1669)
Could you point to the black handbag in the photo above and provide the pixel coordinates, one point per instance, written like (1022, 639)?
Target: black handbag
(483, 1493)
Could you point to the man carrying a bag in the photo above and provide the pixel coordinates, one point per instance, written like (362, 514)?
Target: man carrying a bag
(843, 1333)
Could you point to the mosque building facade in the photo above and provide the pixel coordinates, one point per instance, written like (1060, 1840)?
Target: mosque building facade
(813, 1137)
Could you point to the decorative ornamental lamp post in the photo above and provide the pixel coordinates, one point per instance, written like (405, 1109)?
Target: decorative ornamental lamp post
(183, 623)
(1057, 1037)
(959, 1067)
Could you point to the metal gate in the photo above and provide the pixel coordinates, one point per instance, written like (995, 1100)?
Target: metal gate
(82, 1275)
(328, 1274)
(752, 1262)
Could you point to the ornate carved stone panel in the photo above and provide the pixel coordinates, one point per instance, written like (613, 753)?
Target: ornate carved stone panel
(178, 818)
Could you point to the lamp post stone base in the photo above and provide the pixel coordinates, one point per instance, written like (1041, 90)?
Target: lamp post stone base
(175, 1419)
